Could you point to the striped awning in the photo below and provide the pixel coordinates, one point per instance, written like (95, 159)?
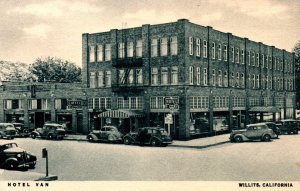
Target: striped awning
(264, 109)
(121, 114)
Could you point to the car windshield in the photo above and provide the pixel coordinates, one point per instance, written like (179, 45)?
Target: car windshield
(163, 132)
(8, 146)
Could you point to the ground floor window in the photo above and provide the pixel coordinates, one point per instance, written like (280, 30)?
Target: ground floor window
(199, 123)
(158, 120)
(221, 121)
(238, 119)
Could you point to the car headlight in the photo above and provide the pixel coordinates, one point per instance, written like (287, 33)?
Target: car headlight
(28, 156)
(19, 155)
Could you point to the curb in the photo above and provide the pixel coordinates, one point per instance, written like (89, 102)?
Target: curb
(47, 178)
(200, 147)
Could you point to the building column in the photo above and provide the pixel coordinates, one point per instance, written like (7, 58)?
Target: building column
(74, 120)
(26, 114)
(2, 109)
(211, 113)
(230, 110)
(184, 117)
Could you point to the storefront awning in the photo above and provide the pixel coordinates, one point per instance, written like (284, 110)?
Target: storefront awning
(121, 114)
(263, 109)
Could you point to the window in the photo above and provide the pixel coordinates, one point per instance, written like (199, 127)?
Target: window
(99, 53)
(219, 52)
(249, 81)
(130, 103)
(232, 79)
(249, 58)
(131, 77)
(220, 78)
(164, 75)
(191, 47)
(59, 104)
(154, 76)
(213, 51)
(174, 77)
(271, 83)
(225, 53)
(237, 79)
(204, 49)
(107, 78)
(263, 61)
(174, 45)
(121, 50)
(198, 77)
(164, 47)
(242, 57)
(191, 75)
(242, 80)
(205, 76)
(232, 54)
(153, 47)
(100, 79)
(225, 79)
(107, 52)
(198, 47)
(122, 79)
(13, 104)
(92, 54)
(8, 104)
(270, 63)
(92, 80)
(253, 58)
(253, 79)
(130, 49)
(257, 59)
(139, 76)
(199, 102)
(139, 48)
(237, 55)
(213, 78)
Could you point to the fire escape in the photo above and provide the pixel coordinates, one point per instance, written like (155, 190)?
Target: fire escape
(126, 65)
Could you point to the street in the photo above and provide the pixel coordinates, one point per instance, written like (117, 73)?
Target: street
(249, 161)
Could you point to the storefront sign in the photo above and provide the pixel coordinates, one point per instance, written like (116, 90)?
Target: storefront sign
(75, 103)
(168, 119)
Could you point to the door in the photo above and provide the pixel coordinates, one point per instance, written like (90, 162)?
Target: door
(39, 119)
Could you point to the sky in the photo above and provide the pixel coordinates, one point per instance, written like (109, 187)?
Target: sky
(31, 29)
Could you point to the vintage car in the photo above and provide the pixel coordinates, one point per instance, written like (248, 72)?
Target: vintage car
(255, 131)
(22, 131)
(12, 157)
(274, 127)
(49, 131)
(106, 134)
(154, 136)
(288, 126)
(7, 130)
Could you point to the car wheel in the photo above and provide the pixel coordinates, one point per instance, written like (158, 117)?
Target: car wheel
(90, 139)
(295, 131)
(127, 141)
(32, 166)
(12, 165)
(33, 135)
(238, 139)
(154, 142)
(267, 138)
(25, 131)
(50, 136)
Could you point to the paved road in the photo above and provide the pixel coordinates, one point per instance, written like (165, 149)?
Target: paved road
(72, 160)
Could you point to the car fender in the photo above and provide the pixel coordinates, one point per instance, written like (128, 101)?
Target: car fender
(129, 137)
(11, 159)
(95, 138)
(157, 138)
(242, 135)
(36, 133)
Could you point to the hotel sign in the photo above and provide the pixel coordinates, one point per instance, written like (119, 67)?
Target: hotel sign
(76, 103)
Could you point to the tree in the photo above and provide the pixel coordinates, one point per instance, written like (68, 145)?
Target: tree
(55, 70)
(296, 49)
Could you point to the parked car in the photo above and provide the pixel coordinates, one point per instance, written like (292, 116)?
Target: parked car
(12, 157)
(49, 131)
(22, 131)
(7, 130)
(288, 126)
(154, 136)
(106, 133)
(274, 127)
(253, 132)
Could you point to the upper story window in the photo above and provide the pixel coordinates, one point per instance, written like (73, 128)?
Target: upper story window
(61, 104)
(204, 49)
(220, 78)
(213, 78)
(270, 63)
(242, 57)
(154, 76)
(121, 50)
(164, 75)
(164, 47)
(130, 49)
(139, 76)
(257, 59)
(191, 45)
(174, 45)
(107, 52)
(99, 53)
(262, 61)
(225, 53)
(108, 78)
(92, 53)
(237, 79)
(174, 77)
(100, 79)
(257, 81)
(139, 48)
(253, 79)
(249, 58)
(198, 77)
(237, 55)
(213, 51)
(225, 79)
(205, 76)
(198, 47)
(122, 79)
(191, 75)
(219, 52)
(153, 47)
(232, 54)
(253, 58)
(92, 80)
(131, 76)
(242, 80)
(13, 104)
(232, 79)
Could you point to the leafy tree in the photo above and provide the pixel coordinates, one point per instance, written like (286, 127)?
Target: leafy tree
(55, 70)
(296, 49)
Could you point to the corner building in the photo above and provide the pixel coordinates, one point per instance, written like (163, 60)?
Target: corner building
(208, 80)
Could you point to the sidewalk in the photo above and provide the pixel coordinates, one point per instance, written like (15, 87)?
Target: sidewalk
(194, 143)
(7, 175)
